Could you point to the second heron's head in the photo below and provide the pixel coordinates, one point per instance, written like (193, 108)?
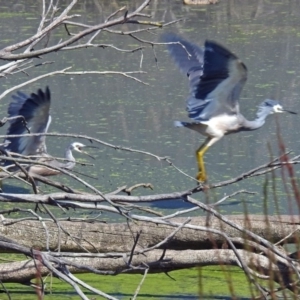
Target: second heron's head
(79, 146)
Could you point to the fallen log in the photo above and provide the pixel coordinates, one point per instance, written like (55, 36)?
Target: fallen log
(158, 261)
(83, 236)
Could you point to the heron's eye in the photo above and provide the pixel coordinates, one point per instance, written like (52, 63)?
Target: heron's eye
(79, 148)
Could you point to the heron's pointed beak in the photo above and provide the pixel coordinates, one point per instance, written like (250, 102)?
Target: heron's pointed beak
(89, 155)
(290, 112)
(84, 152)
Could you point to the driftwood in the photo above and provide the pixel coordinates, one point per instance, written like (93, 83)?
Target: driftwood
(157, 260)
(129, 247)
(119, 237)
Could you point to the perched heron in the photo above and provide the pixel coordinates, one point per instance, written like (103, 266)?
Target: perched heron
(216, 78)
(35, 111)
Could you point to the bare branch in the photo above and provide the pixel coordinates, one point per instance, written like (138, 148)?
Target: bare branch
(6, 53)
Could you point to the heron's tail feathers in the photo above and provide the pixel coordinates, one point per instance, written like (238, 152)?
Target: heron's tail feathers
(180, 124)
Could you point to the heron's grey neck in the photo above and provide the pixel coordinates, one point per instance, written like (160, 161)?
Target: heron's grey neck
(70, 164)
(254, 124)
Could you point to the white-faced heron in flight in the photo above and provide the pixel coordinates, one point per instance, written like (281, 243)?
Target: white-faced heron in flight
(216, 78)
(35, 111)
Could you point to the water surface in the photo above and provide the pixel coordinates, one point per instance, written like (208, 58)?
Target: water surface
(264, 34)
(124, 112)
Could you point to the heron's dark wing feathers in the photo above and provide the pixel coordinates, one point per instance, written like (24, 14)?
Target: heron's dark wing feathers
(216, 77)
(215, 68)
(35, 110)
(188, 56)
(220, 85)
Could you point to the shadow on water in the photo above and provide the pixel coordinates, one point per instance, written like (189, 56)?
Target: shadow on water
(13, 189)
(172, 204)
(181, 204)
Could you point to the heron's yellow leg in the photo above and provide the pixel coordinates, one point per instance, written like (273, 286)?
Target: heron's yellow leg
(201, 176)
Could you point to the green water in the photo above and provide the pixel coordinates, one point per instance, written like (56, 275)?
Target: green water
(264, 34)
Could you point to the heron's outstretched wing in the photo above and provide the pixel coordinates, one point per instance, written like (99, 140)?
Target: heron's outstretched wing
(35, 110)
(220, 85)
(188, 56)
(215, 81)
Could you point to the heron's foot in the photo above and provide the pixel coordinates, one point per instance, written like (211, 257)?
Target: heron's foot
(201, 177)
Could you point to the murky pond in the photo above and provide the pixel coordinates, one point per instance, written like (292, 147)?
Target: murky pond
(121, 111)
